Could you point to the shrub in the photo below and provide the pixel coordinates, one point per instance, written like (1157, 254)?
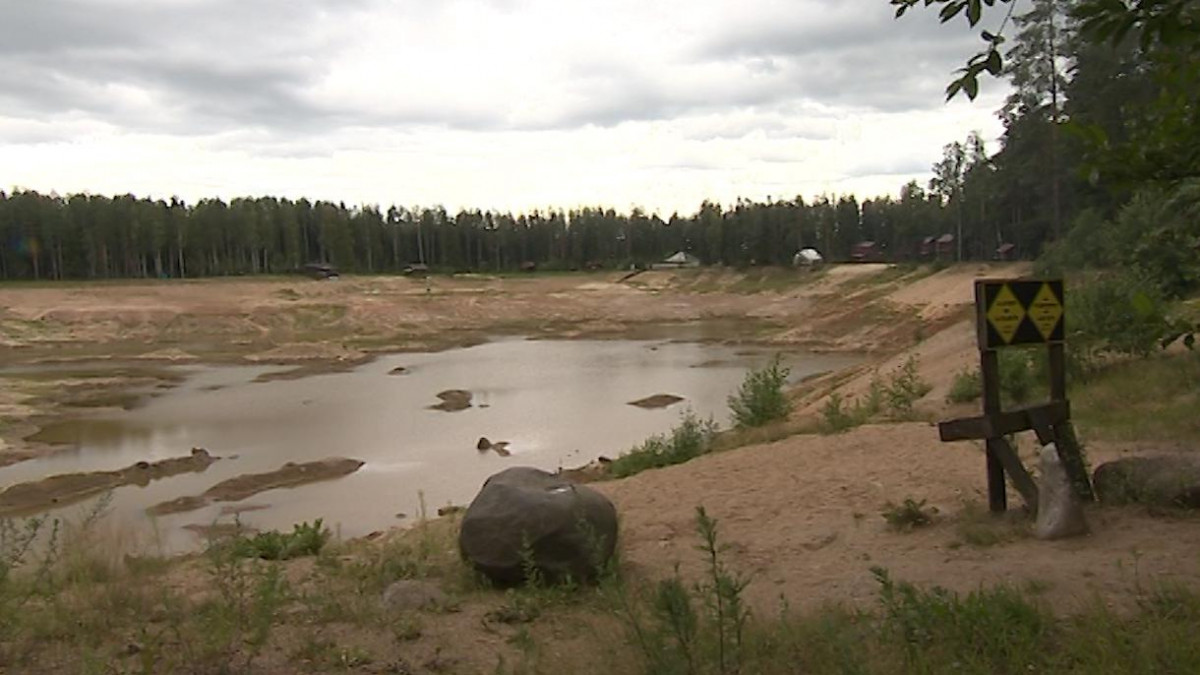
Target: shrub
(1122, 313)
(904, 387)
(761, 399)
(967, 387)
(908, 516)
(303, 540)
(691, 438)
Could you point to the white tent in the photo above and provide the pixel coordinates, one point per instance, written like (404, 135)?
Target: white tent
(681, 258)
(807, 256)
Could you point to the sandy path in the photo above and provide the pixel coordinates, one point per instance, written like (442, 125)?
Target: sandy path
(803, 518)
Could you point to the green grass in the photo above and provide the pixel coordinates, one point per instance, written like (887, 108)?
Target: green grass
(689, 439)
(1150, 399)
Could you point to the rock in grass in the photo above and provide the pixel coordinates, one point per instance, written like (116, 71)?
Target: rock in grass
(1060, 514)
(1163, 480)
(525, 519)
(409, 595)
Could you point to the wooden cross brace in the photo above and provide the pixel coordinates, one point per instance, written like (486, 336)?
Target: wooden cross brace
(1050, 421)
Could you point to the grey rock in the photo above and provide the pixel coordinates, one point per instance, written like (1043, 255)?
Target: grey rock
(524, 515)
(1162, 480)
(409, 595)
(1060, 514)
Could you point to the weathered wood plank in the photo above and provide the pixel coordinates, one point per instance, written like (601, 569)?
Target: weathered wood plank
(1021, 480)
(1000, 424)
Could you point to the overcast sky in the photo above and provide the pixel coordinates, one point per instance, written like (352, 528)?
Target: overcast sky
(508, 104)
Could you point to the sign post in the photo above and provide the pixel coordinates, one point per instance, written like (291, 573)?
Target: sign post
(1011, 312)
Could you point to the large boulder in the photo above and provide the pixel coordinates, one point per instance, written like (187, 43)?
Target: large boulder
(524, 516)
(1059, 514)
(1164, 480)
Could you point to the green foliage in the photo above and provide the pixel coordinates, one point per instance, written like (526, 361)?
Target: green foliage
(761, 399)
(966, 387)
(1118, 313)
(691, 438)
(693, 629)
(895, 395)
(904, 387)
(909, 515)
(990, 630)
(303, 540)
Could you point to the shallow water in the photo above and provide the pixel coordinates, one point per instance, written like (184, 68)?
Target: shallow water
(558, 403)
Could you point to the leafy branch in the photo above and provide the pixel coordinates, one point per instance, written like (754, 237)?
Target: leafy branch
(1168, 23)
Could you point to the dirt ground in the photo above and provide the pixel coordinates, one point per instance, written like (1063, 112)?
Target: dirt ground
(802, 514)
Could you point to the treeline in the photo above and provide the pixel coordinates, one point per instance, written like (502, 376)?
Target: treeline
(1093, 129)
(93, 237)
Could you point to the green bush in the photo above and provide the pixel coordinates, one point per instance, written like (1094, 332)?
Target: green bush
(967, 387)
(691, 438)
(904, 387)
(303, 540)
(896, 395)
(761, 399)
(1120, 313)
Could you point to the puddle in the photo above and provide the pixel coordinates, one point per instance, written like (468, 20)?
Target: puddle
(556, 404)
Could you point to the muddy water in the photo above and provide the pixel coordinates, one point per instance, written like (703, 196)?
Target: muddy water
(557, 403)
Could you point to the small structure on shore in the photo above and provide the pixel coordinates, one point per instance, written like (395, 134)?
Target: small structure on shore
(807, 257)
(679, 260)
(319, 271)
(866, 251)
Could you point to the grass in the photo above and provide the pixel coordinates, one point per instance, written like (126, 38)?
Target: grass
(79, 612)
(1149, 399)
(894, 397)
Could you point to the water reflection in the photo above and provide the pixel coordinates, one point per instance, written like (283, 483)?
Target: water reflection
(557, 403)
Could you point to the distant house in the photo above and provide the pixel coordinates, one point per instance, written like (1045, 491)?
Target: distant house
(866, 251)
(677, 261)
(1006, 251)
(928, 247)
(944, 246)
(319, 271)
(416, 268)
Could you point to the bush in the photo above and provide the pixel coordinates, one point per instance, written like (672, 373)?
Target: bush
(967, 387)
(908, 516)
(897, 395)
(1121, 313)
(691, 438)
(904, 387)
(303, 540)
(761, 399)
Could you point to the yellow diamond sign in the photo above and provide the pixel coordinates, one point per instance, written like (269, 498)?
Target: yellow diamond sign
(1045, 311)
(1006, 312)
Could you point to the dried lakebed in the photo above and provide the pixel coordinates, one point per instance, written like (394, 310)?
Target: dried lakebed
(547, 403)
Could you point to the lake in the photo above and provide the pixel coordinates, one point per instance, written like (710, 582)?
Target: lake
(558, 403)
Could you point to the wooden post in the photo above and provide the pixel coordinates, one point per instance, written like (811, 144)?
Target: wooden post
(1069, 451)
(989, 370)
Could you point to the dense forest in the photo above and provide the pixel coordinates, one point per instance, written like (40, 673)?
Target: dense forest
(1091, 127)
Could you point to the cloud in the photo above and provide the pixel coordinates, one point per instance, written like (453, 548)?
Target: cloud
(614, 95)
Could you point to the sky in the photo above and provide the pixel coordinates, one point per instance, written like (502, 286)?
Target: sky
(491, 104)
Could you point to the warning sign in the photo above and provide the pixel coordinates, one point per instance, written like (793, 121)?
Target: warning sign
(1045, 311)
(1019, 312)
(1005, 313)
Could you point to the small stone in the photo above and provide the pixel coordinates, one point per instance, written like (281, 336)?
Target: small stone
(412, 594)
